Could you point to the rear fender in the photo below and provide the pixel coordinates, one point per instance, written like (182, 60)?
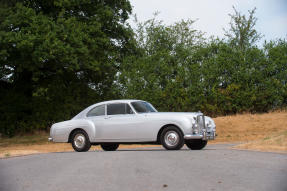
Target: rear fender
(86, 125)
(60, 132)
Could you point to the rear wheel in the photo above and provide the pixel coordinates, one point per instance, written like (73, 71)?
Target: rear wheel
(171, 138)
(80, 141)
(109, 146)
(196, 144)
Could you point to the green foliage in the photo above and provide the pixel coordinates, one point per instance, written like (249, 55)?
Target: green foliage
(163, 72)
(242, 33)
(176, 69)
(276, 71)
(58, 57)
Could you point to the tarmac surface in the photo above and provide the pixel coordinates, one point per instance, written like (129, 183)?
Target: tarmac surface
(217, 167)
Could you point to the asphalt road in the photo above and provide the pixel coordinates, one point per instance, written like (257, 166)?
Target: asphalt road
(215, 168)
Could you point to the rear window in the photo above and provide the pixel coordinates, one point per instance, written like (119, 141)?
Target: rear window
(97, 111)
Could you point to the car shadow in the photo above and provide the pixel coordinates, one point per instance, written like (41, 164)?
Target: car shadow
(152, 149)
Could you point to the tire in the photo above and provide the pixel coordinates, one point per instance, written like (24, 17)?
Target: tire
(196, 144)
(80, 141)
(171, 138)
(109, 146)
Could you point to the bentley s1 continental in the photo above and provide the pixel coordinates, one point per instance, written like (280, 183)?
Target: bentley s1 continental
(117, 122)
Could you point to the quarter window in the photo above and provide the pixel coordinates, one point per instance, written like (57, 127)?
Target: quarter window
(97, 111)
(118, 109)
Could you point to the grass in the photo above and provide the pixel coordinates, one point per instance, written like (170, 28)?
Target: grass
(37, 138)
(29, 144)
(261, 132)
(250, 127)
(275, 143)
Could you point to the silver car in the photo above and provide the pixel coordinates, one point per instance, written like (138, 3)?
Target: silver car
(117, 122)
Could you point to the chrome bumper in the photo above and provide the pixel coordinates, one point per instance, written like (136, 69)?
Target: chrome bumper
(50, 139)
(204, 136)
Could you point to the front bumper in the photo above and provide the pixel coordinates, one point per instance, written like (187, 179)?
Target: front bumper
(204, 136)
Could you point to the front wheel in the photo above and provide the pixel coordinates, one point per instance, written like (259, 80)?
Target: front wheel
(80, 141)
(196, 144)
(109, 146)
(171, 138)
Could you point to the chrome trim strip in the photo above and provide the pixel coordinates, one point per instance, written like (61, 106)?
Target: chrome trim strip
(205, 136)
(193, 136)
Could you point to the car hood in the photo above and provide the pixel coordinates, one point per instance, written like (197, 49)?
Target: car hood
(172, 115)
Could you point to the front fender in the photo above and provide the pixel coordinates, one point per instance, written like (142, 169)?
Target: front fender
(184, 123)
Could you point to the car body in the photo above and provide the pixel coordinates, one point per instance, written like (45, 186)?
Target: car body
(132, 121)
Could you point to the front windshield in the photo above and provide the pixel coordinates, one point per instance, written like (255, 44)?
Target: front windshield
(143, 107)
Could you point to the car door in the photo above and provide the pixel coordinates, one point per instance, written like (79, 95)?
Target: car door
(121, 124)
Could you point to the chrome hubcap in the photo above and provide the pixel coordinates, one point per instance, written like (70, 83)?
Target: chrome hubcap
(171, 138)
(79, 140)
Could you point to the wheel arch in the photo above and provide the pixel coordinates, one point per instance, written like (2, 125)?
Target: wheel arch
(76, 129)
(164, 127)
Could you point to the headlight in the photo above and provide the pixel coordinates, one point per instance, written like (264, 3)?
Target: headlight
(208, 124)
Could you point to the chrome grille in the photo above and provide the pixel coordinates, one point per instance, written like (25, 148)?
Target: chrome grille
(200, 122)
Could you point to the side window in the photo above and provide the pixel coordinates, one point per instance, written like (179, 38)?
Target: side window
(118, 109)
(97, 111)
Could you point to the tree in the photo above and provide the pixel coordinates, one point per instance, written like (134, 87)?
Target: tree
(242, 33)
(256, 83)
(248, 61)
(276, 72)
(58, 57)
(164, 70)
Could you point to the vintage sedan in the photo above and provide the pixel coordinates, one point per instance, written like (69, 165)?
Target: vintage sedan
(117, 122)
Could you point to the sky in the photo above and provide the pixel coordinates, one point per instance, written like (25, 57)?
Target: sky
(212, 15)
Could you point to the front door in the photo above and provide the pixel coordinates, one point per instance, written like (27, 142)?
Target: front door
(122, 124)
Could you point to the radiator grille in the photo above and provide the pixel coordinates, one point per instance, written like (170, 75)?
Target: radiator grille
(200, 122)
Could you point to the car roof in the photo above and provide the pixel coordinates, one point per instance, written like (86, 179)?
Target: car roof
(83, 113)
(117, 101)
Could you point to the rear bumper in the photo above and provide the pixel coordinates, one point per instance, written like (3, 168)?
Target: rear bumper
(204, 136)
